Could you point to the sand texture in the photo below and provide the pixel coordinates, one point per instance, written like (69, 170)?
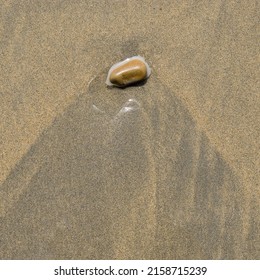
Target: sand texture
(165, 170)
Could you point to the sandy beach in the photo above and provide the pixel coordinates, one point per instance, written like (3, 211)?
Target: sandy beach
(166, 170)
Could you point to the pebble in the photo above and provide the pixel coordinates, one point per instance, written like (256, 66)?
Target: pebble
(128, 71)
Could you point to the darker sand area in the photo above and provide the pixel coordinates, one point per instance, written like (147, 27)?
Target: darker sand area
(167, 170)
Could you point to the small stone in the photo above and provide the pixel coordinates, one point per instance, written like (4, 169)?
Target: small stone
(129, 71)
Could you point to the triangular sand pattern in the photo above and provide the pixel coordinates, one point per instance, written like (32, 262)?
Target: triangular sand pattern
(122, 174)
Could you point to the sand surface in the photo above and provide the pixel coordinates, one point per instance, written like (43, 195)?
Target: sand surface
(167, 170)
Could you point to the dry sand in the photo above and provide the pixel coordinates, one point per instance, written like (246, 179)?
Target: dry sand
(167, 170)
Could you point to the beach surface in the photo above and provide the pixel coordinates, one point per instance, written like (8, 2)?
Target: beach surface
(164, 170)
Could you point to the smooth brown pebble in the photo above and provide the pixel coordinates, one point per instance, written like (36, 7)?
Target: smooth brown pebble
(129, 71)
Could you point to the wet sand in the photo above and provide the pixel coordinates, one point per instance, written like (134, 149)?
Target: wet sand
(167, 170)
